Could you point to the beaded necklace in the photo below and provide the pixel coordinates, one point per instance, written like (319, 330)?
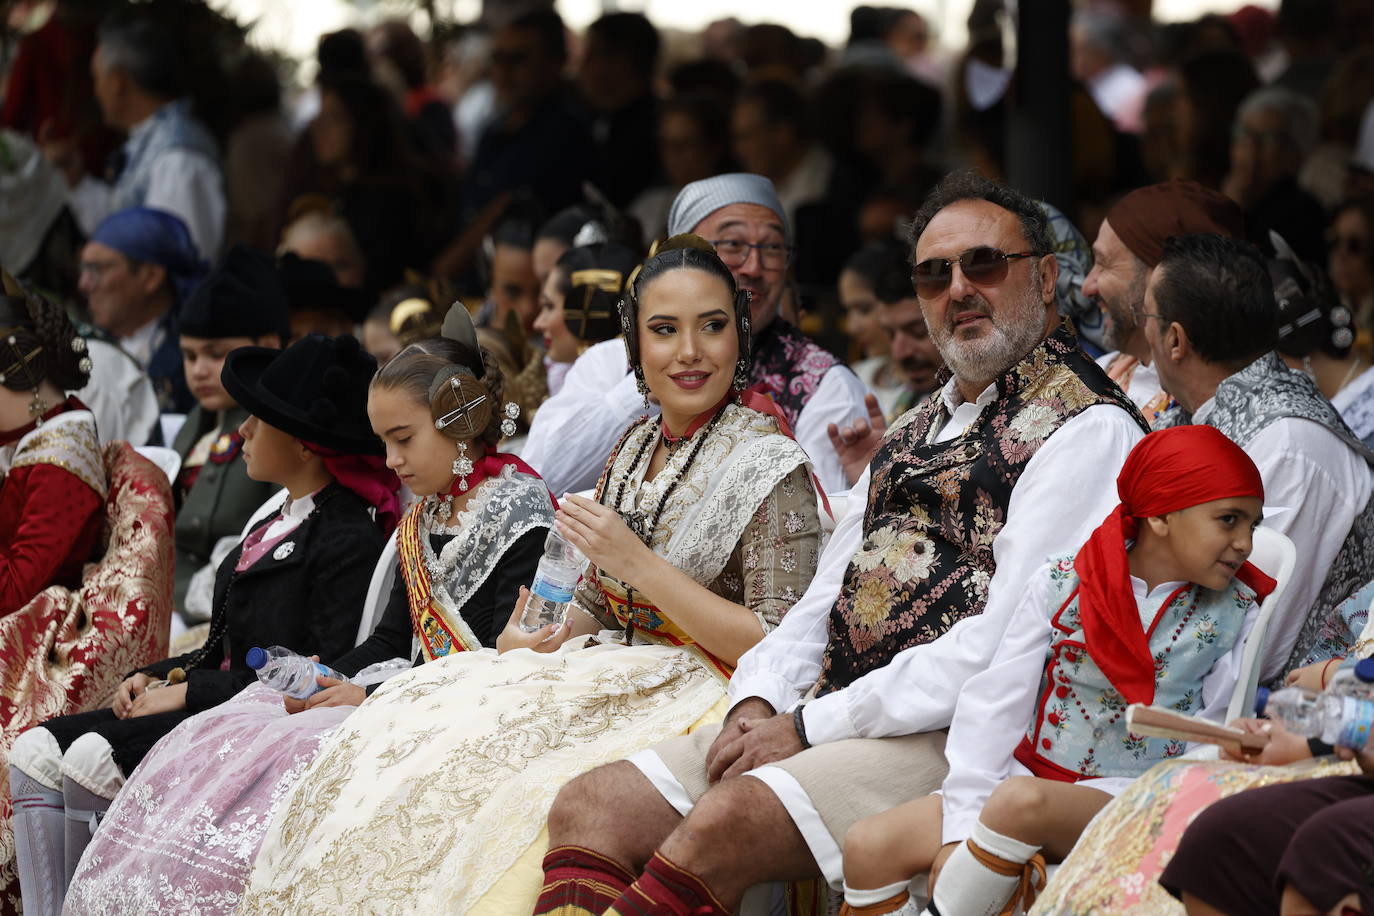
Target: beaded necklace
(643, 523)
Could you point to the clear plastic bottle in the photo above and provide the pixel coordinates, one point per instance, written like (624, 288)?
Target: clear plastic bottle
(288, 673)
(1356, 681)
(1339, 720)
(554, 583)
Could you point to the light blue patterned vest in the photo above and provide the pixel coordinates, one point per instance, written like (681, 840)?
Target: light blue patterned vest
(1080, 718)
(172, 127)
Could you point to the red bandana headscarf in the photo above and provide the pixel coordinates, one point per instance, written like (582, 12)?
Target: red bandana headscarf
(1167, 471)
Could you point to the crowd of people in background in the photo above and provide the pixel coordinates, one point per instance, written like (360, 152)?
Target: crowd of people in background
(893, 485)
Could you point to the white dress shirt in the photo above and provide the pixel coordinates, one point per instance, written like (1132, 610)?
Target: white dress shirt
(1063, 494)
(997, 704)
(184, 183)
(574, 431)
(1323, 484)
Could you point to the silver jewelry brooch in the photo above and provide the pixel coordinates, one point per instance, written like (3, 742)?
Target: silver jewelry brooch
(284, 550)
(78, 345)
(85, 365)
(508, 427)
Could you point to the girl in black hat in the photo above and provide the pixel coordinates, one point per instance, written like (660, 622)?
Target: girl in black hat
(299, 580)
(465, 548)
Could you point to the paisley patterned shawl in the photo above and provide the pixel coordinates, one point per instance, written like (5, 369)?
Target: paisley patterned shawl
(738, 466)
(500, 511)
(935, 508)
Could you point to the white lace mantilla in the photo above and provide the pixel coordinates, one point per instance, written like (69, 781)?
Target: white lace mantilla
(739, 465)
(501, 510)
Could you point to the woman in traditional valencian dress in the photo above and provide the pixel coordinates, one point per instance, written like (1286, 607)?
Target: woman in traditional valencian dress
(182, 834)
(433, 795)
(308, 433)
(59, 648)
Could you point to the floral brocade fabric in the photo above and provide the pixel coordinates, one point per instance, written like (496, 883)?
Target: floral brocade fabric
(934, 508)
(788, 367)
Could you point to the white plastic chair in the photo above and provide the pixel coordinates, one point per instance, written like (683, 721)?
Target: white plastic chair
(1274, 555)
(166, 459)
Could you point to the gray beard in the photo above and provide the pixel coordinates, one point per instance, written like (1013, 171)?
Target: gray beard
(1006, 345)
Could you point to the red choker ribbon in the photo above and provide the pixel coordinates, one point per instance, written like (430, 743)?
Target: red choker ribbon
(490, 465)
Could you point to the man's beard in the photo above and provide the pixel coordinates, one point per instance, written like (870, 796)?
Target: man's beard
(1013, 334)
(1121, 322)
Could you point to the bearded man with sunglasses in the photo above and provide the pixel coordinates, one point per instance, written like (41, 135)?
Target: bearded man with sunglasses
(838, 713)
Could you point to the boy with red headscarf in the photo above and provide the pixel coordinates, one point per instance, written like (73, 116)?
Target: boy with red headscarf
(1153, 609)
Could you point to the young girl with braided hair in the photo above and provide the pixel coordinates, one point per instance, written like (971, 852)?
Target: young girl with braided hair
(52, 475)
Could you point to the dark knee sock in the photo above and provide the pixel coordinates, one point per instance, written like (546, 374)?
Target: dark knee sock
(666, 889)
(84, 810)
(580, 882)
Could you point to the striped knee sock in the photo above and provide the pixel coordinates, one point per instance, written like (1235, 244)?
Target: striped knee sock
(580, 882)
(878, 901)
(986, 872)
(666, 889)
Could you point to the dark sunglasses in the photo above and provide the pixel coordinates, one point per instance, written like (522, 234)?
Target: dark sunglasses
(983, 265)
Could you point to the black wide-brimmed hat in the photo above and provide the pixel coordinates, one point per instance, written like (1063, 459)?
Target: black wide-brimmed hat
(243, 297)
(315, 389)
(311, 284)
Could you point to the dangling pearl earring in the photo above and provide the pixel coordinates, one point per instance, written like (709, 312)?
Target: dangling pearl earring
(462, 466)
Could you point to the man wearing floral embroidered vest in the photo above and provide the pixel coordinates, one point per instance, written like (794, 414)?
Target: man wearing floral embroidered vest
(1212, 327)
(837, 713)
(241, 304)
(740, 215)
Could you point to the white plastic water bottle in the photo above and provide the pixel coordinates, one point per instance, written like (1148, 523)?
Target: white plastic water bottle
(288, 673)
(554, 583)
(1341, 720)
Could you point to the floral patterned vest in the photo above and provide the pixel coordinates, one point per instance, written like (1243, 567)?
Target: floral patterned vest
(1079, 729)
(934, 508)
(788, 367)
(1257, 396)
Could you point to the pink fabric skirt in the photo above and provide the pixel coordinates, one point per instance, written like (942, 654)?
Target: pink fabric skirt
(183, 832)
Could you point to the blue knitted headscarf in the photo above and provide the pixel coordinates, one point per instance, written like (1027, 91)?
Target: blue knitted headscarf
(156, 237)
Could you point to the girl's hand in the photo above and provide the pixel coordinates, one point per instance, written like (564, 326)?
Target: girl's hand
(127, 692)
(335, 693)
(294, 705)
(1283, 747)
(546, 639)
(1314, 677)
(603, 537)
(162, 699)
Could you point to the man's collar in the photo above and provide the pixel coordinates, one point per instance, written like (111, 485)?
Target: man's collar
(953, 399)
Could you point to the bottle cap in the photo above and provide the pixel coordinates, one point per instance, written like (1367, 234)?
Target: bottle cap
(1261, 700)
(1364, 670)
(256, 658)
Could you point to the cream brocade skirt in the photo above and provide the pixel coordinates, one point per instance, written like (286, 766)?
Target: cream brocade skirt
(432, 796)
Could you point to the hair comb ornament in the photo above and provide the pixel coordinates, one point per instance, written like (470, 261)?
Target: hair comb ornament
(458, 326)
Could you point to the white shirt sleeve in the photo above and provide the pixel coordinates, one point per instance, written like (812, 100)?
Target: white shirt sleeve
(994, 710)
(574, 431)
(787, 662)
(89, 201)
(1064, 493)
(191, 186)
(1324, 485)
(839, 399)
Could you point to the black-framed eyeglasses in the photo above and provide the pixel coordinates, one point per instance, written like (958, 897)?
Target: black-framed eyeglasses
(734, 252)
(984, 265)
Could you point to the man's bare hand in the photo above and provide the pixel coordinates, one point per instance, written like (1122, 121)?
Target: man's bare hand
(761, 742)
(858, 443)
(752, 708)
